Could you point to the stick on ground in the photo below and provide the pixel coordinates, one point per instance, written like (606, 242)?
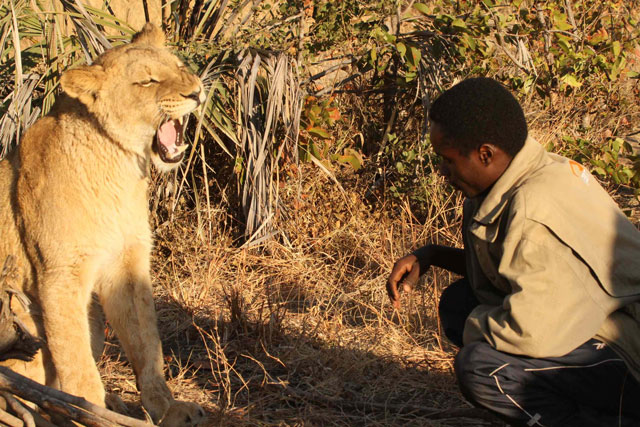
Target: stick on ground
(59, 402)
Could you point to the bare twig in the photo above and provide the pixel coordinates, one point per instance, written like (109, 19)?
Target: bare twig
(570, 16)
(503, 45)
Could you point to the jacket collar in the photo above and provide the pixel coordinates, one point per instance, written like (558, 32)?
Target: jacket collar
(530, 156)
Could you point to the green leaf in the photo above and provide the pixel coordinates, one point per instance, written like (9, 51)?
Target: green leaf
(315, 152)
(409, 76)
(560, 21)
(422, 8)
(389, 38)
(459, 24)
(616, 144)
(469, 41)
(618, 66)
(570, 80)
(616, 48)
(350, 157)
(414, 56)
(319, 132)
(616, 177)
(564, 45)
(402, 49)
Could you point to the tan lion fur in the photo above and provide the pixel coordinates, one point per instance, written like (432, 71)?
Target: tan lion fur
(74, 212)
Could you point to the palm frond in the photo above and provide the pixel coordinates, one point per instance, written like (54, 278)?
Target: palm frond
(20, 114)
(92, 40)
(269, 101)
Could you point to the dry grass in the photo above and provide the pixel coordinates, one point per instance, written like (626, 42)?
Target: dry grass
(301, 333)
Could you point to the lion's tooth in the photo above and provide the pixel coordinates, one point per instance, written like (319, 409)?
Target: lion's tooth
(181, 149)
(180, 120)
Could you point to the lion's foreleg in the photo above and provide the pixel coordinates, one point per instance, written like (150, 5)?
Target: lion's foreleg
(65, 298)
(128, 305)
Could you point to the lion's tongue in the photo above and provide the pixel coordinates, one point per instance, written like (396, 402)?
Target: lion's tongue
(168, 136)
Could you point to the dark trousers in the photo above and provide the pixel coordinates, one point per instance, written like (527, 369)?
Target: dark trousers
(590, 386)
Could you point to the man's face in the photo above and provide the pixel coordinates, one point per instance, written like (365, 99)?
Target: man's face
(468, 174)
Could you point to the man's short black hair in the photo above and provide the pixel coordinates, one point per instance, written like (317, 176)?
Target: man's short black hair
(480, 110)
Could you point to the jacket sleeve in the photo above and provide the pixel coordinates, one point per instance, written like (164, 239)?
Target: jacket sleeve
(555, 303)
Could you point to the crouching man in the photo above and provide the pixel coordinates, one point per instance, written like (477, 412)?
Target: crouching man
(547, 313)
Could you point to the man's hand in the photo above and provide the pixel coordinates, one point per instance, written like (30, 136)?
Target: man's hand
(403, 277)
(409, 268)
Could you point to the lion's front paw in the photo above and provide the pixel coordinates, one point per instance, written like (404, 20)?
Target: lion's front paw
(183, 414)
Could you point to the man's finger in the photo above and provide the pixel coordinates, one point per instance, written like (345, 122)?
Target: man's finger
(392, 290)
(394, 295)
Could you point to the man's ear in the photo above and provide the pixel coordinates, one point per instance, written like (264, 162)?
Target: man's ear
(83, 83)
(150, 34)
(486, 153)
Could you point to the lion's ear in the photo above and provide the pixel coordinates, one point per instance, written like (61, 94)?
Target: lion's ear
(83, 83)
(150, 34)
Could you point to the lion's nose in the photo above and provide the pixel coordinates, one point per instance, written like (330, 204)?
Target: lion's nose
(197, 96)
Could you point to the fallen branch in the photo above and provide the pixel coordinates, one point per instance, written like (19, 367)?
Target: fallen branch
(61, 403)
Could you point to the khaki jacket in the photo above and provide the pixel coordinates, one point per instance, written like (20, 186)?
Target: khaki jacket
(553, 262)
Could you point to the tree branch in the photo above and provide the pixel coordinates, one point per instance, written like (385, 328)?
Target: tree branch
(59, 402)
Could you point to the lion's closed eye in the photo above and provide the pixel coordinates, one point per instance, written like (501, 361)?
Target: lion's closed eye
(147, 82)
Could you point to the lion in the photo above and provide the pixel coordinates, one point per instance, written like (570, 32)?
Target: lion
(74, 214)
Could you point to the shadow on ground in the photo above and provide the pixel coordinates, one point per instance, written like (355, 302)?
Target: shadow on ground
(268, 373)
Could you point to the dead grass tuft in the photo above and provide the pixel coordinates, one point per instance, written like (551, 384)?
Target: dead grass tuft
(300, 332)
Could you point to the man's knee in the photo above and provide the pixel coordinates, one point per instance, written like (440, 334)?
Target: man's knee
(455, 297)
(473, 366)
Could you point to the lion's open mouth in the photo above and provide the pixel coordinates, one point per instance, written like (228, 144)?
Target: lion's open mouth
(169, 141)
